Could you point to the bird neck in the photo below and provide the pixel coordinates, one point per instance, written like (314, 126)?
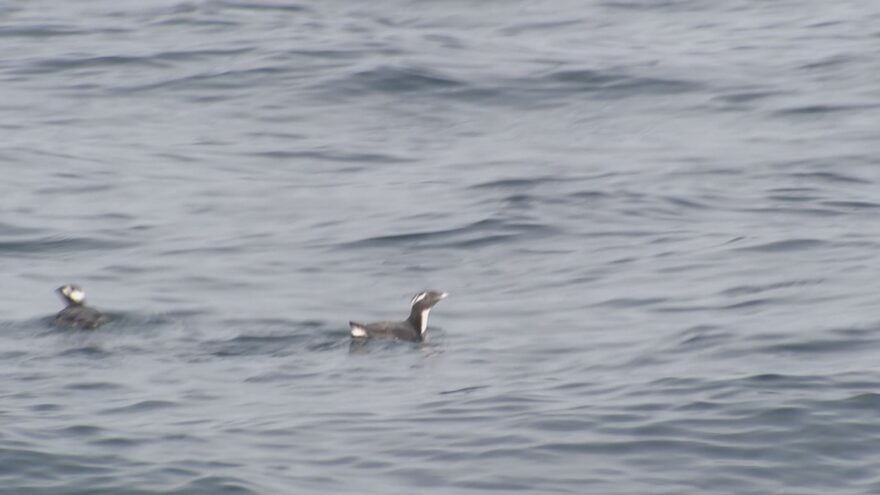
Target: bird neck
(418, 317)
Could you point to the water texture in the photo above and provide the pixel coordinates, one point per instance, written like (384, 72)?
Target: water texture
(657, 222)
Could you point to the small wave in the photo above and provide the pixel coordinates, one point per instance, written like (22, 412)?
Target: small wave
(774, 380)
(524, 183)
(482, 233)
(329, 155)
(395, 80)
(736, 306)
(741, 97)
(275, 337)
(830, 177)
(702, 337)
(58, 244)
(62, 64)
(100, 386)
(222, 80)
(326, 53)
(611, 84)
(852, 205)
(812, 110)
(745, 290)
(869, 401)
(80, 431)
(834, 61)
(785, 246)
(142, 406)
(632, 302)
(821, 345)
(89, 351)
(40, 31)
(464, 390)
(7, 229)
(538, 26)
(29, 462)
(794, 195)
(251, 345)
(216, 485)
(261, 6)
(650, 5)
(70, 189)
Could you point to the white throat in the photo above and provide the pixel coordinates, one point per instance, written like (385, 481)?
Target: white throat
(74, 295)
(424, 321)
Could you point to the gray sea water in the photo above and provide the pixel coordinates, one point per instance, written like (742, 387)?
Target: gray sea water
(657, 221)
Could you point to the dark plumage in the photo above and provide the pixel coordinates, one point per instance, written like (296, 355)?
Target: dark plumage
(77, 314)
(411, 329)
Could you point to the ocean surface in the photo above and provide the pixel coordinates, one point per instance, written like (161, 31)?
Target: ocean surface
(658, 222)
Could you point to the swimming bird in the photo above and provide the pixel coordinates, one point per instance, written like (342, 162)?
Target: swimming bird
(411, 329)
(77, 314)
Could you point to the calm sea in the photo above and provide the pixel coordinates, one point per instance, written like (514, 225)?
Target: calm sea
(658, 222)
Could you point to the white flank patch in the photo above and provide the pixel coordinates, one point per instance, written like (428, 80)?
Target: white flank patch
(358, 332)
(424, 321)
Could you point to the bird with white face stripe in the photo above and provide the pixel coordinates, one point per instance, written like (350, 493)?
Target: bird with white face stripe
(77, 314)
(411, 329)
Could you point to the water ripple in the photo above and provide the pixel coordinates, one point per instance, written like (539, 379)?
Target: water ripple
(58, 244)
(482, 233)
(656, 219)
